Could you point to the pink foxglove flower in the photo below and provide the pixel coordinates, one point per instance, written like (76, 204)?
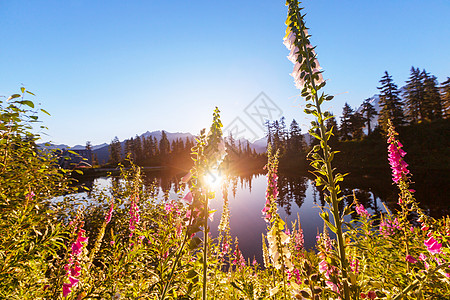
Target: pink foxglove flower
(292, 42)
(395, 155)
(109, 215)
(73, 266)
(188, 197)
(433, 246)
(410, 259)
(134, 216)
(360, 210)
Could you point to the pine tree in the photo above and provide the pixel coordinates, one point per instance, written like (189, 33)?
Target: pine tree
(357, 125)
(431, 97)
(345, 130)
(137, 149)
(164, 146)
(413, 96)
(129, 148)
(115, 151)
(445, 98)
(390, 102)
(296, 140)
(369, 112)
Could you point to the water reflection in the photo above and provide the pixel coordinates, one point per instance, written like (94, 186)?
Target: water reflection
(297, 196)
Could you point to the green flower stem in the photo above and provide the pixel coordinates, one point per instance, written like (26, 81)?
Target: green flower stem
(205, 246)
(330, 177)
(186, 236)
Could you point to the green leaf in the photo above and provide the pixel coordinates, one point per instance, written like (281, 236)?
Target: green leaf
(27, 102)
(22, 89)
(30, 93)
(13, 96)
(45, 112)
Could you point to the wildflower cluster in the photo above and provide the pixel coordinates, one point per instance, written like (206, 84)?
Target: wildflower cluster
(134, 215)
(272, 185)
(395, 155)
(73, 266)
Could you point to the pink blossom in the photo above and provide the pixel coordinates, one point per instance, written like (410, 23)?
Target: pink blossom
(109, 215)
(67, 289)
(433, 246)
(422, 257)
(354, 265)
(134, 217)
(188, 197)
(410, 259)
(168, 207)
(30, 196)
(360, 210)
(395, 157)
(372, 295)
(333, 286)
(72, 267)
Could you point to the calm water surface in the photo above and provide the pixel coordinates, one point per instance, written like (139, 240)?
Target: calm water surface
(297, 196)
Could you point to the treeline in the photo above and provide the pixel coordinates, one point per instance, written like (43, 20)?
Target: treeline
(149, 151)
(421, 100)
(241, 159)
(289, 142)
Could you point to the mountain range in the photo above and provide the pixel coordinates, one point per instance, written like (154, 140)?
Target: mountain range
(102, 150)
(260, 145)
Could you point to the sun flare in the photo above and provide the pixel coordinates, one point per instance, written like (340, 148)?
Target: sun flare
(213, 179)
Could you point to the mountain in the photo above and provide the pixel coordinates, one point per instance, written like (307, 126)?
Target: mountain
(81, 147)
(171, 136)
(101, 152)
(260, 145)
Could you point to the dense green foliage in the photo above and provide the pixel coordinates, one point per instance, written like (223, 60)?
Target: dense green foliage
(126, 243)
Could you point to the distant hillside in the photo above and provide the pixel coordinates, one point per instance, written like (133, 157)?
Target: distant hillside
(102, 151)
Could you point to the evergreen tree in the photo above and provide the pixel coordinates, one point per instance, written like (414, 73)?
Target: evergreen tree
(369, 112)
(431, 97)
(88, 145)
(390, 102)
(115, 151)
(357, 125)
(137, 149)
(445, 98)
(345, 130)
(164, 147)
(413, 96)
(129, 147)
(296, 140)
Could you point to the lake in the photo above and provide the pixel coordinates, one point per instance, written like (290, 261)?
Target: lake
(298, 196)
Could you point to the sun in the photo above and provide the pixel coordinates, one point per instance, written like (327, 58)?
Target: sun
(213, 179)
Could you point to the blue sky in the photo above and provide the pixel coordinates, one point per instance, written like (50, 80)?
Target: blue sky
(120, 68)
